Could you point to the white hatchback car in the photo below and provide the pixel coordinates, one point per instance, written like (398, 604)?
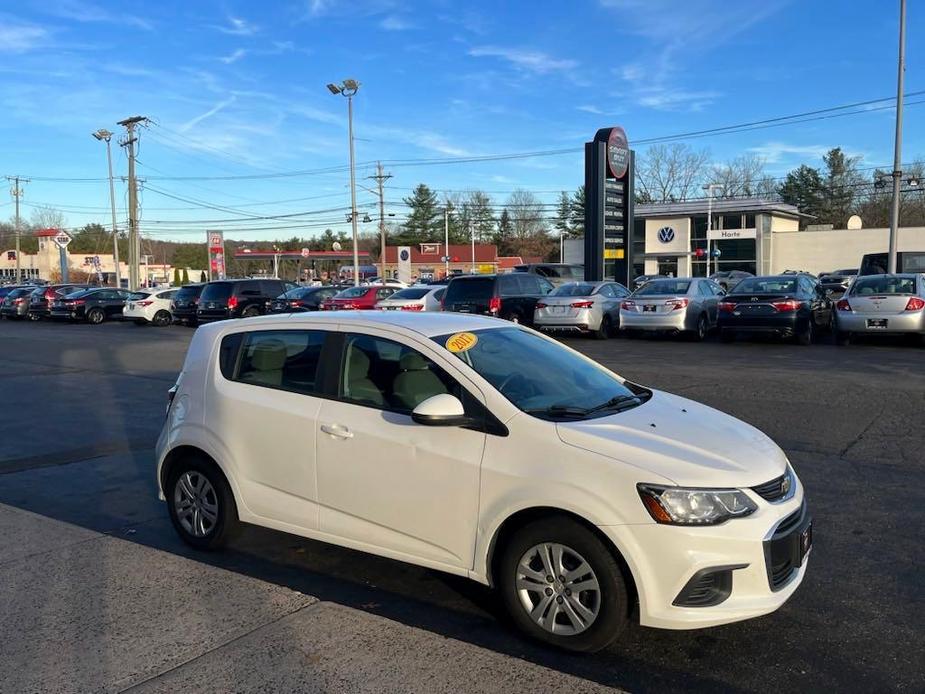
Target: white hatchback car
(484, 449)
(150, 306)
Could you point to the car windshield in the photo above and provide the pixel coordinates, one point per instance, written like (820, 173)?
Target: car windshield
(411, 293)
(766, 285)
(573, 289)
(540, 376)
(883, 284)
(138, 296)
(352, 293)
(663, 288)
(217, 291)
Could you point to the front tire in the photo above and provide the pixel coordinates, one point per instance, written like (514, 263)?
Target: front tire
(805, 337)
(604, 330)
(200, 503)
(699, 333)
(562, 585)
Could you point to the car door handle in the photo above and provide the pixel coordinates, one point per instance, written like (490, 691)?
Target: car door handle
(337, 431)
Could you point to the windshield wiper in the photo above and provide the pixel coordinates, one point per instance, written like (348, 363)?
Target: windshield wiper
(615, 402)
(559, 411)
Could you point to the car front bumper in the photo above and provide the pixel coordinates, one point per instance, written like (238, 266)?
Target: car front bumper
(666, 559)
(854, 322)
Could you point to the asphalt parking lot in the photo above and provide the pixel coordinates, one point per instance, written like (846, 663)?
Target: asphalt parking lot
(100, 594)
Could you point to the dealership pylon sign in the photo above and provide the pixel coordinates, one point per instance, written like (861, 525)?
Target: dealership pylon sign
(609, 171)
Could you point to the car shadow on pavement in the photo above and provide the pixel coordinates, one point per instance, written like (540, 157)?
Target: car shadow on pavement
(116, 495)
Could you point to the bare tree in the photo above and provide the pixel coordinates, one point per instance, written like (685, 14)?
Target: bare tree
(48, 218)
(528, 224)
(671, 173)
(743, 176)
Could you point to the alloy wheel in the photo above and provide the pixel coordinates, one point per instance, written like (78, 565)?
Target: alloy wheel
(558, 589)
(195, 503)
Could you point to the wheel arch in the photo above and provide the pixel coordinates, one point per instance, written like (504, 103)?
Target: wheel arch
(524, 516)
(186, 450)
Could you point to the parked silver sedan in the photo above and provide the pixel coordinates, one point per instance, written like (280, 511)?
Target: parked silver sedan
(893, 304)
(583, 307)
(417, 298)
(682, 305)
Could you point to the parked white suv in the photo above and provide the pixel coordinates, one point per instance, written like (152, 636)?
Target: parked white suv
(150, 306)
(484, 449)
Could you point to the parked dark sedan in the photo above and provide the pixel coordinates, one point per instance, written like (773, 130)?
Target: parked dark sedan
(784, 305)
(728, 279)
(303, 299)
(92, 305)
(41, 299)
(837, 281)
(184, 304)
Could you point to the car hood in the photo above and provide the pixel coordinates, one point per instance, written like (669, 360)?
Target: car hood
(683, 441)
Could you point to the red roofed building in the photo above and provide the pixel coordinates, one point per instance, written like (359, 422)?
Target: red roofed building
(427, 259)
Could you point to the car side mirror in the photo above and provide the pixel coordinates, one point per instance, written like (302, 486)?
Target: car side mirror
(443, 410)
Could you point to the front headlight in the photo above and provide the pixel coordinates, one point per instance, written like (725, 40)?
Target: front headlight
(691, 506)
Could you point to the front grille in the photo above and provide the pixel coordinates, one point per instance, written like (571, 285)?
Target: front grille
(776, 489)
(782, 551)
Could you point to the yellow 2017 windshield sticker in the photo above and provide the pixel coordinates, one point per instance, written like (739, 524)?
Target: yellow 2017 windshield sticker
(461, 342)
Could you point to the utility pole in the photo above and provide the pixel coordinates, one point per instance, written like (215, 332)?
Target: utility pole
(897, 153)
(16, 192)
(133, 245)
(380, 179)
(446, 246)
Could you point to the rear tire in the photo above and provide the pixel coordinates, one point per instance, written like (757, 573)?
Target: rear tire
(162, 318)
(540, 607)
(96, 316)
(805, 337)
(604, 331)
(200, 503)
(700, 332)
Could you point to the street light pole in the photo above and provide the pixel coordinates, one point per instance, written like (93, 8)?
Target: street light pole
(104, 135)
(897, 153)
(349, 88)
(446, 245)
(709, 188)
(472, 237)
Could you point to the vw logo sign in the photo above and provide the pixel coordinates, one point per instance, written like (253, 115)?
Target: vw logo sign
(404, 255)
(666, 234)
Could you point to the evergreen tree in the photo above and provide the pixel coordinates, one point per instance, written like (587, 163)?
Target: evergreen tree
(842, 185)
(563, 214)
(804, 188)
(202, 276)
(480, 215)
(577, 212)
(176, 277)
(504, 229)
(185, 277)
(424, 221)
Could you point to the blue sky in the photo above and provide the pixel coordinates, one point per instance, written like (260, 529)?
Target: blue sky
(238, 89)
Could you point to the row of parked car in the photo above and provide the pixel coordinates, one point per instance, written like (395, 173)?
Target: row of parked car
(792, 306)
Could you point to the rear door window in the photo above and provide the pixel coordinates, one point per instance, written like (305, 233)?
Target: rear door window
(282, 359)
(460, 291)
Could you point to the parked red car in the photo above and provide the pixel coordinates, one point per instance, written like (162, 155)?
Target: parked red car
(358, 298)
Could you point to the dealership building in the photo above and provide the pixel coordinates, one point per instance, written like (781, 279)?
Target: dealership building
(755, 235)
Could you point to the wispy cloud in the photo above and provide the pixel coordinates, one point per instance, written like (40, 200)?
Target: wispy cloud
(775, 152)
(315, 8)
(672, 99)
(590, 109)
(191, 123)
(236, 26)
(80, 11)
(18, 37)
(526, 59)
(234, 56)
(395, 23)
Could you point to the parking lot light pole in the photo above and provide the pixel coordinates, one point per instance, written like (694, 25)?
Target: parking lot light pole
(710, 187)
(349, 88)
(898, 144)
(104, 135)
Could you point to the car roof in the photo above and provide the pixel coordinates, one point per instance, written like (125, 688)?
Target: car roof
(426, 324)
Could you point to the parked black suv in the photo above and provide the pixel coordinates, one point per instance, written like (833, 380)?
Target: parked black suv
(238, 298)
(184, 304)
(512, 297)
(92, 305)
